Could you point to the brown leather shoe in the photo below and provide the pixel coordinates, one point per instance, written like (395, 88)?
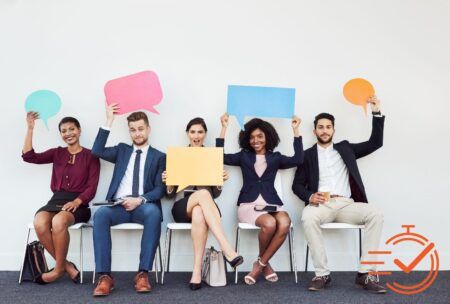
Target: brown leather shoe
(141, 283)
(105, 285)
(319, 283)
(370, 283)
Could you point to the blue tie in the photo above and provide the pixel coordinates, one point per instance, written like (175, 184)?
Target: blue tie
(137, 162)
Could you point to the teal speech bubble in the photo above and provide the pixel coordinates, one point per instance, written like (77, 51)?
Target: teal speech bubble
(45, 102)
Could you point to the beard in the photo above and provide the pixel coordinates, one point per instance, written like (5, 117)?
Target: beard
(140, 142)
(324, 142)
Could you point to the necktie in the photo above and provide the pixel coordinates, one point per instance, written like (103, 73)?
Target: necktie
(137, 162)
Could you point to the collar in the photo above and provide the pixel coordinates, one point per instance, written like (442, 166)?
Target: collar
(327, 149)
(144, 149)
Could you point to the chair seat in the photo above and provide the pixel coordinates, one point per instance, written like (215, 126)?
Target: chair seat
(179, 226)
(250, 226)
(341, 226)
(128, 226)
(74, 226)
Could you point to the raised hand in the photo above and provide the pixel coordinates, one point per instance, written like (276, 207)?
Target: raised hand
(296, 121)
(111, 111)
(31, 119)
(374, 103)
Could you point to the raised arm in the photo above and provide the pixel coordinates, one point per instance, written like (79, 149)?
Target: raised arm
(99, 148)
(228, 159)
(376, 137)
(28, 153)
(297, 158)
(31, 119)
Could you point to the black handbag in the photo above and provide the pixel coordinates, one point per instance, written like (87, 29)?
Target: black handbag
(34, 262)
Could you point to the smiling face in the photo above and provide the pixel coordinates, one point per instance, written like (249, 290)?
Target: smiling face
(70, 133)
(258, 141)
(196, 135)
(324, 131)
(139, 132)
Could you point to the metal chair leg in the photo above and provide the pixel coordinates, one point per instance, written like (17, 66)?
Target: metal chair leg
(155, 266)
(93, 275)
(360, 249)
(290, 249)
(81, 255)
(293, 255)
(166, 248)
(306, 262)
(238, 241)
(170, 249)
(24, 255)
(160, 259)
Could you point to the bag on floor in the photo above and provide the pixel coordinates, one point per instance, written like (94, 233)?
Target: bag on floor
(214, 270)
(34, 262)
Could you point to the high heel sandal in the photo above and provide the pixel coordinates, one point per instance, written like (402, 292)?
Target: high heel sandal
(249, 279)
(271, 277)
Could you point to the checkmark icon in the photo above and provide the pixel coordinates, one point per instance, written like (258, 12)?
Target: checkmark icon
(410, 267)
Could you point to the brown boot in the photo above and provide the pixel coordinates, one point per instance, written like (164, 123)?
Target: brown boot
(105, 285)
(141, 283)
(370, 283)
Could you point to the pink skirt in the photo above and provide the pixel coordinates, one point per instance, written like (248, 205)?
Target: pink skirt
(248, 214)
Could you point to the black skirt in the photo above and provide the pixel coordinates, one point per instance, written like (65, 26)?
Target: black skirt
(179, 211)
(82, 214)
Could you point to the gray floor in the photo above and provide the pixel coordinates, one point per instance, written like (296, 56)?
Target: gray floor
(175, 290)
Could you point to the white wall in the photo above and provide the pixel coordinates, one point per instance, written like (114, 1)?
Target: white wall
(198, 48)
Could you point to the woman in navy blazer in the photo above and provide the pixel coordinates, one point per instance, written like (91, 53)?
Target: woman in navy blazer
(259, 203)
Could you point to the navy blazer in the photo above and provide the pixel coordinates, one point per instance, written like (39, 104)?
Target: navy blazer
(120, 155)
(306, 181)
(264, 185)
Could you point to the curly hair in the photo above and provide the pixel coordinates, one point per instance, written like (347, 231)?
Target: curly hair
(272, 138)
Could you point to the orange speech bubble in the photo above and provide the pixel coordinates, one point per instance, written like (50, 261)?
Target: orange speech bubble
(358, 91)
(194, 166)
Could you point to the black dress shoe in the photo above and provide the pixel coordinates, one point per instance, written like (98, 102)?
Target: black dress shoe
(236, 261)
(195, 286)
(77, 278)
(39, 279)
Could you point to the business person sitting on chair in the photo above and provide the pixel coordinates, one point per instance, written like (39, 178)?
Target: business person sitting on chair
(136, 179)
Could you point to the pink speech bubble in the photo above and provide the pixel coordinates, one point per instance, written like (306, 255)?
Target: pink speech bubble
(134, 92)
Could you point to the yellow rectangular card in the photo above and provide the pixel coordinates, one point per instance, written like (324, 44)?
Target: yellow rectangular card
(194, 166)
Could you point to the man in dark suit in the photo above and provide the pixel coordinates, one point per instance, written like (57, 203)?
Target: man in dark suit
(330, 184)
(137, 180)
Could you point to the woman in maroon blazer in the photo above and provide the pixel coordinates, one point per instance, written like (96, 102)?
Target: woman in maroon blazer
(74, 183)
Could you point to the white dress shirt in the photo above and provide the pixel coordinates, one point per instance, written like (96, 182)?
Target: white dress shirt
(126, 184)
(333, 173)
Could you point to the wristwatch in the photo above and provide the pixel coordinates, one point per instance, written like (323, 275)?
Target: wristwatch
(144, 200)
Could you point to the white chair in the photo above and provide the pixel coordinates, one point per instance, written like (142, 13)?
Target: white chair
(245, 226)
(135, 226)
(337, 226)
(170, 228)
(79, 227)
